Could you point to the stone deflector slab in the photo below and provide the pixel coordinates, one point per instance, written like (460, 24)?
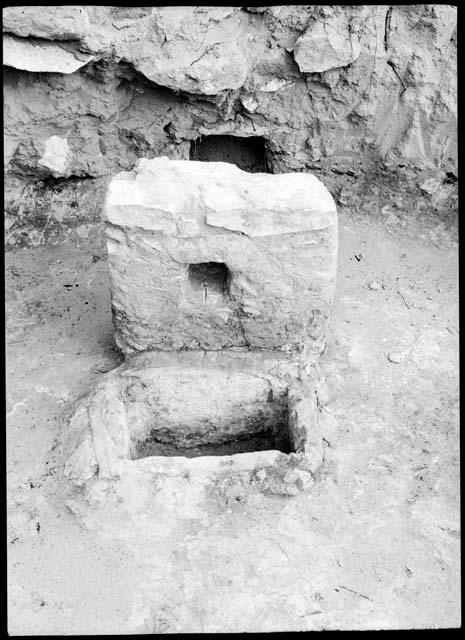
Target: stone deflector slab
(275, 234)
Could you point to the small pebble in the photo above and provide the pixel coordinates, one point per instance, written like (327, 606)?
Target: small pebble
(374, 285)
(395, 356)
(291, 476)
(261, 475)
(292, 490)
(37, 604)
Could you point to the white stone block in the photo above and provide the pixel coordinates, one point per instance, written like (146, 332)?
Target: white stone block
(206, 256)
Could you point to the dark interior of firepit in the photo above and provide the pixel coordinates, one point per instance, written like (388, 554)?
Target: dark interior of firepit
(253, 427)
(263, 441)
(205, 411)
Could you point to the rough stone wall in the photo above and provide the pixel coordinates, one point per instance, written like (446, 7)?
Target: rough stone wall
(363, 97)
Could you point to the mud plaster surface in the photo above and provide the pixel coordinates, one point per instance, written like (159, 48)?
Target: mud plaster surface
(375, 544)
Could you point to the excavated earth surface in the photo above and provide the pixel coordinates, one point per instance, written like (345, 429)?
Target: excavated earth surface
(374, 544)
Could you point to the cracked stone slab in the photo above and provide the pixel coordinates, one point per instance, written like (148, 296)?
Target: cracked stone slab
(42, 56)
(274, 235)
(190, 49)
(49, 22)
(327, 44)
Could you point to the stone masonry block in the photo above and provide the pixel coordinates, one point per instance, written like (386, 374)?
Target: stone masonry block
(205, 256)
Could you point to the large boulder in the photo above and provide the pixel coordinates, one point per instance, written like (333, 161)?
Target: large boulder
(327, 44)
(187, 49)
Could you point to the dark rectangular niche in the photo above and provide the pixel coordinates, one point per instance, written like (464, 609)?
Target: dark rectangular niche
(249, 153)
(210, 275)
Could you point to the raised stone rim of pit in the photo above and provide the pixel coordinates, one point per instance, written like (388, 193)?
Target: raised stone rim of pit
(97, 436)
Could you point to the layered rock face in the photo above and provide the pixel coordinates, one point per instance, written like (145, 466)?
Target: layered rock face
(203, 255)
(362, 97)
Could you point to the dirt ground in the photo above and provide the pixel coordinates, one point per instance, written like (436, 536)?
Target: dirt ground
(374, 545)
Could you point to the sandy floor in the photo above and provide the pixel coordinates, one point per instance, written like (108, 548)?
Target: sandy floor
(374, 545)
